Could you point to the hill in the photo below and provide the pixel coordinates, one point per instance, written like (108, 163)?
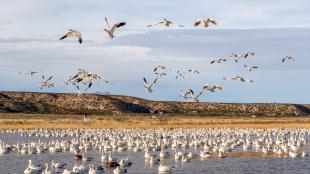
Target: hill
(67, 103)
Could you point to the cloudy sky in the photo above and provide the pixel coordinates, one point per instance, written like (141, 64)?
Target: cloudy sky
(29, 33)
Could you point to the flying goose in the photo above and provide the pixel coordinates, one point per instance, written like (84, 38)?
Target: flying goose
(179, 74)
(31, 73)
(211, 88)
(148, 87)
(205, 23)
(157, 67)
(195, 97)
(250, 53)
(218, 61)
(166, 22)
(160, 70)
(242, 79)
(235, 56)
(185, 94)
(250, 68)
(287, 58)
(73, 33)
(193, 71)
(46, 82)
(110, 30)
(84, 77)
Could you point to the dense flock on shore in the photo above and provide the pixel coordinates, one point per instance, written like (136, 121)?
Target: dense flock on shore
(155, 145)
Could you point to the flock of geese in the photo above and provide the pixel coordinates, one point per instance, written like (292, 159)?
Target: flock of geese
(162, 70)
(157, 146)
(87, 79)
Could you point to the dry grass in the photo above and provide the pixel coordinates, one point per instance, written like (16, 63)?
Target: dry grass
(29, 121)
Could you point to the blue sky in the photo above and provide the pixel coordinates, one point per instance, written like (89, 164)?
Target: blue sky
(29, 33)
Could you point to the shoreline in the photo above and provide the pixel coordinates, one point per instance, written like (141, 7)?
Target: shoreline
(36, 121)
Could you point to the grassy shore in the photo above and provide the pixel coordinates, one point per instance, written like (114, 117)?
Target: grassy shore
(30, 121)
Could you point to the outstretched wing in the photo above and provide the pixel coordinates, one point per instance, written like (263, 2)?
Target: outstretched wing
(191, 91)
(106, 20)
(63, 37)
(89, 86)
(200, 94)
(117, 26)
(212, 21)
(198, 22)
(144, 80)
(154, 82)
(161, 22)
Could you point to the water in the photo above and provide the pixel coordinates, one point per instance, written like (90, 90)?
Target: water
(14, 163)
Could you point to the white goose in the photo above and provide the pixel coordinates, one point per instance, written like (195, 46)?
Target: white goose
(195, 97)
(72, 33)
(57, 165)
(205, 23)
(166, 22)
(287, 58)
(164, 169)
(148, 87)
(110, 30)
(47, 171)
(250, 68)
(242, 79)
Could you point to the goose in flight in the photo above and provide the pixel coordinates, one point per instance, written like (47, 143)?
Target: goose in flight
(212, 88)
(148, 87)
(83, 77)
(166, 22)
(110, 30)
(193, 71)
(250, 68)
(218, 61)
(72, 33)
(250, 53)
(235, 56)
(158, 67)
(287, 58)
(179, 74)
(242, 79)
(46, 82)
(160, 70)
(185, 94)
(195, 97)
(31, 73)
(205, 23)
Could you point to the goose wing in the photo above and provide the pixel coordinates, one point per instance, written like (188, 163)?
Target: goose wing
(200, 94)
(144, 80)
(50, 78)
(212, 21)
(117, 25)
(154, 82)
(106, 20)
(198, 22)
